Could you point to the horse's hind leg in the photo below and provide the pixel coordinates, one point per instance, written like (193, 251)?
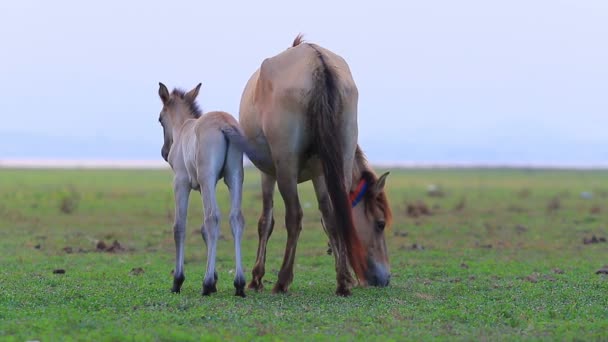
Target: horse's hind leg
(288, 187)
(234, 180)
(181, 191)
(210, 231)
(265, 227)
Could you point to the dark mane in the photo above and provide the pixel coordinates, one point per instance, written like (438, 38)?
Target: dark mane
(194, 108)
(299, 40)
(381, 200)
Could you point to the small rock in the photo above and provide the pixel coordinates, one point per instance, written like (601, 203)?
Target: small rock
(434, 191)
(586, 195)
(59, 271)
(38, 246)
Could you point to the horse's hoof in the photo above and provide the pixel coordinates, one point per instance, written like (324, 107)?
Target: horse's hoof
(177, 283)
(255, 285)
(240, 292)
(278, 288)
(343, 291)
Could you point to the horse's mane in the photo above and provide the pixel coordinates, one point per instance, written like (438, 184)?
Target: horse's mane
(298, 40)
(381, 200)
(195, 110)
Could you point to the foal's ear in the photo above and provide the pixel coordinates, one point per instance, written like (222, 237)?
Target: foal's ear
(192, 94)
(379, 186)
(163, 92)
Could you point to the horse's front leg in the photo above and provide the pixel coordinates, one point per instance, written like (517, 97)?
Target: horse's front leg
(210, 231)
(181, 192)
(343, 276)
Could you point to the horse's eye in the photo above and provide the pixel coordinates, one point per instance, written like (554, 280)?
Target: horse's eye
(380, 225)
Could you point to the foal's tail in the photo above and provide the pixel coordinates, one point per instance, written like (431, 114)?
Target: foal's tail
(235, 136)
(324, 108)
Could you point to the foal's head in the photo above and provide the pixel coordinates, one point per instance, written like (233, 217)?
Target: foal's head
(371, 215)
(178, 106)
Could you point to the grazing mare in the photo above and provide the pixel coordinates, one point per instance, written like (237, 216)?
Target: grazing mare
(200, 155)
(298, 115)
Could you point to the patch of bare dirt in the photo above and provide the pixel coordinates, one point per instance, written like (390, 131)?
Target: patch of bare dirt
(603, 270)
(460, 205)
(115, 247)
(558, 271)
(595, 210)
(136, 271)
(524, 193)
(487, 245)
(554, 204)
(533, 278)
(463, 265)
(594, 239)
(520, 229)
(418, 209)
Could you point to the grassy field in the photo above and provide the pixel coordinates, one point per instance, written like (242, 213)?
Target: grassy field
(500, 256)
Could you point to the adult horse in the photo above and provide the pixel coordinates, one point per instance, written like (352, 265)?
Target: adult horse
(298, 115)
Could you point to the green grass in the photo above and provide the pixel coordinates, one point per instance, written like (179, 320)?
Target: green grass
(487, 271)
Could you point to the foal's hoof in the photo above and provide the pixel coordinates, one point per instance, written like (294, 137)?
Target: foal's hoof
(177, 283)
(239, 285)
(209, 289)
(240, 292)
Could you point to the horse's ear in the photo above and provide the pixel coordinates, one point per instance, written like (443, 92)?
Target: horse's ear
(379, 186)
(192, 94)
(163, 92)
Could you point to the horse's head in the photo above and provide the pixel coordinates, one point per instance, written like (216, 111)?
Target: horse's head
(178, 106)
(371, 215)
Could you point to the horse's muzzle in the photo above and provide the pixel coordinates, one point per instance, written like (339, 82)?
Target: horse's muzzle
(377, 274)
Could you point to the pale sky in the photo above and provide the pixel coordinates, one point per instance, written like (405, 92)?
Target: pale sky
(439, 81)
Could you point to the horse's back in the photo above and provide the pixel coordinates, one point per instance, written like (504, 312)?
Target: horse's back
(204, 146)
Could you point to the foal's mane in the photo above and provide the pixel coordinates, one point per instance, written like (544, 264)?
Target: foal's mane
(366, 172)
(195, 110)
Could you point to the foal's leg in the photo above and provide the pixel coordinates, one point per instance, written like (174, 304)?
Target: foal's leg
(288, 187)
(265, 227)
(234, 180)
(181, 191)
(343, 275)
(210, 231)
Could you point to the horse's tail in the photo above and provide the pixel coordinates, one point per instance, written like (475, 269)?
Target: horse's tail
(324, 108)
(235, 136)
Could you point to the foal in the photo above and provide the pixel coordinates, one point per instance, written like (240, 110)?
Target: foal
(200, 155)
